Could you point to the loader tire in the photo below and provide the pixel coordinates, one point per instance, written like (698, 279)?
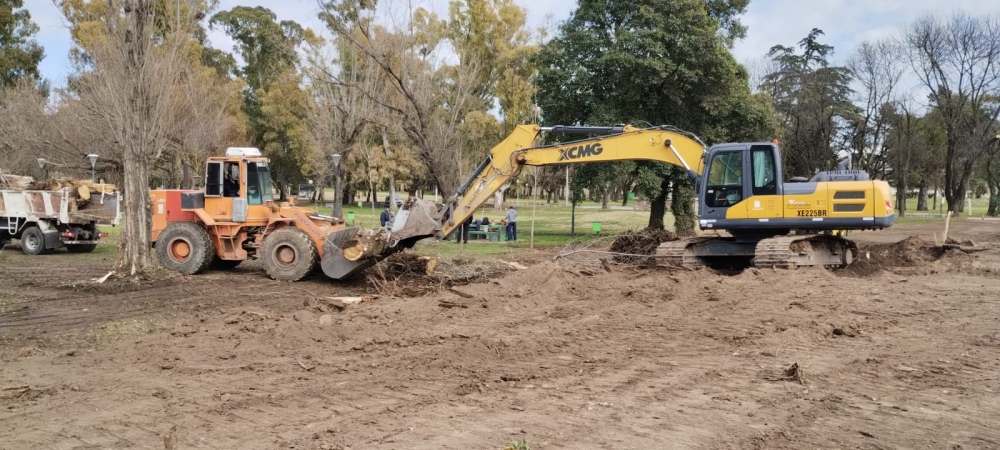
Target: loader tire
(32, 241)
(185, 247)
(288, 254)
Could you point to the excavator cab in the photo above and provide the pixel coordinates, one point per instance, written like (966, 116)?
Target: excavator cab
(742, 177)
(742, 189)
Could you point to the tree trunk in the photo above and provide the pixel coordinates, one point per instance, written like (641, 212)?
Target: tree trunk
(625, 197)
(572, 220)
(994, 208)
(993, 182)
(922, 197)
(683, 204)
(901, 194)
(392, 176)
(658, 205)
(134, 256)
(186, 171)
(605, 197)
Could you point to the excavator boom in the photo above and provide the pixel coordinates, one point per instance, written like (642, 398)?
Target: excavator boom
(626, 143)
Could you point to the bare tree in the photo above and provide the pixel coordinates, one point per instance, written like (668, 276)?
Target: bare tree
(345, 93)
(426, 96)
(958, 61)
(129, 92)
(878, 69)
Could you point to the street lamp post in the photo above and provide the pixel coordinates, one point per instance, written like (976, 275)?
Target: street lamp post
(93, 166)
(337, 197)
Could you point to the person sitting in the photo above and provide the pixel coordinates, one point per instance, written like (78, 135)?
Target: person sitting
(486, 221)
(230, 187)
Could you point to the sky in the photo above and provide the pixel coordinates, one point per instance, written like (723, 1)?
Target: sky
(846, 23)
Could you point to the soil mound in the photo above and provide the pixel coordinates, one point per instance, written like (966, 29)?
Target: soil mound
(642, 242)
(910, 252)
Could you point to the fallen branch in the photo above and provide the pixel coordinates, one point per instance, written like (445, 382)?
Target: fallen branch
(460, 293)
(451, 304)
(104, 278)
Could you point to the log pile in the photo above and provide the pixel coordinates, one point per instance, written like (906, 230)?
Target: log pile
(642, 242)
(8, 181)
(80, 191)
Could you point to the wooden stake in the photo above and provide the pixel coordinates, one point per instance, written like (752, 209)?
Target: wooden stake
(947, 221)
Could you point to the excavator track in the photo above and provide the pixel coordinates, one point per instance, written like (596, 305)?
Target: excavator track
(789, 252)
(783, 252)
(680, 252)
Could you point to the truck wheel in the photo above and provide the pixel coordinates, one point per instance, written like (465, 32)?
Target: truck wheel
(32, 241)
(185, 247)
(81, 248)
(288, 254)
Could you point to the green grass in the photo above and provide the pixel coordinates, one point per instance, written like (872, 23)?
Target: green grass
(979, 207)
(552, 226)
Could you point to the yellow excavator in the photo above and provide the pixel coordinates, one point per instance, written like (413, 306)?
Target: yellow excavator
(768, 222)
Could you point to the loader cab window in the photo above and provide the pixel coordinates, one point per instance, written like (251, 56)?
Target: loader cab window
(259, 188)
(725, 180)
(762, 161)
(213, 179)
(231, 181)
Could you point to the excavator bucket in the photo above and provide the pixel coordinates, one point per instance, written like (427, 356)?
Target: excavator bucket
(415, 221)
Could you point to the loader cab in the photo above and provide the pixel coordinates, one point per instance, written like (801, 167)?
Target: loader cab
(237, 183)
(745, 176)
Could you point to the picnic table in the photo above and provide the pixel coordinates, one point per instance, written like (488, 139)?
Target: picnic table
(492, 233)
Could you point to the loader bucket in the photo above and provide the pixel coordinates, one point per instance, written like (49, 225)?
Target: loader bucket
(415, 221)
(334, 264)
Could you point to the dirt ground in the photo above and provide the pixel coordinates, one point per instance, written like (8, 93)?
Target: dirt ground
(901, 351)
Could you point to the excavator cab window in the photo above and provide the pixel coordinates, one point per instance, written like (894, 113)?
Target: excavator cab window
(725, 180)
(762, 161)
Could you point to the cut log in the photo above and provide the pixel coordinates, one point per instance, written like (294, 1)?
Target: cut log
(366, 244)
(84, 193)
(430, 264)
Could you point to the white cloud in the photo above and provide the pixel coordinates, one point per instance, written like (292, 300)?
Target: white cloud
(846, 23)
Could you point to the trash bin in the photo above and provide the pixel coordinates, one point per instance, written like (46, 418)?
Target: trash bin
(350, 216)
(597, 227)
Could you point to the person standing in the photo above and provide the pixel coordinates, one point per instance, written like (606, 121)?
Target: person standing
(385, 217)
(463, 231)
(511, 224)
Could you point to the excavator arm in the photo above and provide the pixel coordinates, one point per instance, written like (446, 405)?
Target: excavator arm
(663, 144)
(420, 219)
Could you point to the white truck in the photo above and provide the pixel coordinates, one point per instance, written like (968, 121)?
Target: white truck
(48, 219)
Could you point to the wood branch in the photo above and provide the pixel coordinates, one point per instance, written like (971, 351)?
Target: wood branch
(366, 244)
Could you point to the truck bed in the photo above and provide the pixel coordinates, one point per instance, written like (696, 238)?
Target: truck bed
(61, 205)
